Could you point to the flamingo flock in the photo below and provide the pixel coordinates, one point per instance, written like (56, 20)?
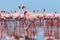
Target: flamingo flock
(28, 22)
(27, 14)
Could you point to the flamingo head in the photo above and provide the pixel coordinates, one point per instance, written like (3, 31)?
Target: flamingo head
(23, 7)
(25, 12)
(44, 10)
(15, 11)
(55, 12)
(37, 10)
(34, 11)
(1, 11)
(11, 11)
(4, 11)
(19, 7)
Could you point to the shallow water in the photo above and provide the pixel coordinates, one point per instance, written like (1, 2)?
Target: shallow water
(39, 36)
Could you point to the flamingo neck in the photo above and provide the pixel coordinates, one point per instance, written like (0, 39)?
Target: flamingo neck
(18, 10)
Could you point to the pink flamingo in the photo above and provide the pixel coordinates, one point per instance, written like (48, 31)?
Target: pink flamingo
(3, 15)
(57, 16)
(51, 16)
(7, 15)
(29, 15)
(39, 14)
(18, 14)
(40, 18)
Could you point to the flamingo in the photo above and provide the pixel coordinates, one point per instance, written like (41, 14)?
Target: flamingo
(40, 15)
(8, 15)
(45, 15)
(18, 14)
(50, 16)
(29, 15)
(34, 11)
(57, 16)
(2, 15)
